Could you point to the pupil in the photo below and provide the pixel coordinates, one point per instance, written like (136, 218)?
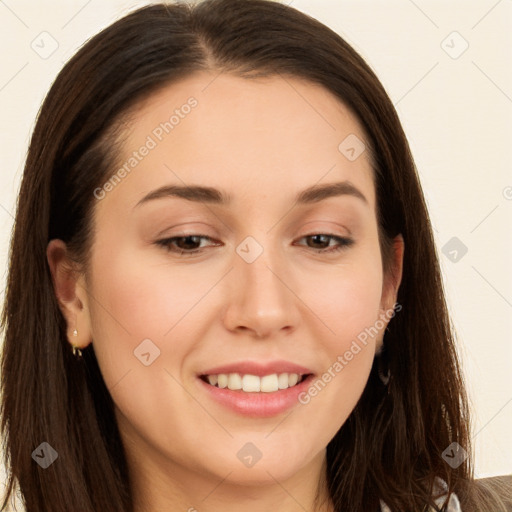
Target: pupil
(317, 237)
(187, 242)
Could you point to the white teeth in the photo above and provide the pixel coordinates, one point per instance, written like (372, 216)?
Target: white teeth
(253, 383)
(282, 381)
(234, 381)
(269, 383)
(222, 380)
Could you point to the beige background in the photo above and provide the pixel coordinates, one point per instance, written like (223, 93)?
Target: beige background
(455, 104)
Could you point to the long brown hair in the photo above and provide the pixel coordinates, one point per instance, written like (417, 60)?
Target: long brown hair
(391, 446)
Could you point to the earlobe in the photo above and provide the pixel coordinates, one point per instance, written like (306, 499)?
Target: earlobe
(71, 296)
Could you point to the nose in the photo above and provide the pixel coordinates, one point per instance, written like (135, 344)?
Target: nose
(261, 299)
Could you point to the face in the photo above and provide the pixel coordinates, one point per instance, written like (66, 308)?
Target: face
(255, 278)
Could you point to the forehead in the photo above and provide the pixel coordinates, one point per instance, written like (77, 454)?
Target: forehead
(277, 134)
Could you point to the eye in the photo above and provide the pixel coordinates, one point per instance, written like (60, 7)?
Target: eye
(185, 244)
(189, 244)
(324, 239)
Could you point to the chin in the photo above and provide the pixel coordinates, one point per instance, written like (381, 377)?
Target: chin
(279, 465)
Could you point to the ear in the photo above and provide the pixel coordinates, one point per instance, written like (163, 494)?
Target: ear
(71, 293)
(393, 278)
(391, 283)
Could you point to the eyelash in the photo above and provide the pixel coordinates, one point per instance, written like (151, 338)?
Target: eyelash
(343, 243)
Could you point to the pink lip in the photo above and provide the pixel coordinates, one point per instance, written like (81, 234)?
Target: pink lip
(259, 369)
(257, 404)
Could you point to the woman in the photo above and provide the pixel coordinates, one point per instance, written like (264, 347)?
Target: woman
(224, 291)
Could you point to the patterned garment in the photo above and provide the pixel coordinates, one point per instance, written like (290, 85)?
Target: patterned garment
(453, 502)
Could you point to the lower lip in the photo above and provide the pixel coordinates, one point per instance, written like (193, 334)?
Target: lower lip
(257, 404)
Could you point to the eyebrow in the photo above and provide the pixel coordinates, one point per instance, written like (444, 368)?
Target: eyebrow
(211, 195)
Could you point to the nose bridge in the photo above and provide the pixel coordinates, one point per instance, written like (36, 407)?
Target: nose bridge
(262, 300)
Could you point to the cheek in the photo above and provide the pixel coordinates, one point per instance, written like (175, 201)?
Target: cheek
(142, 307)
(135, 300)
(347, 304)
(346, 298)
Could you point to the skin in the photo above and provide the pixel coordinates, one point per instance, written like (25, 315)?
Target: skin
(261, 142)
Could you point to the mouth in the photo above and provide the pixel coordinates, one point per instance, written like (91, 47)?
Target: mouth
(257, 389)
(256, 396)
(248, 383)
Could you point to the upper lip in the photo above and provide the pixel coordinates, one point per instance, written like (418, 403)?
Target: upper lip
(258, 368)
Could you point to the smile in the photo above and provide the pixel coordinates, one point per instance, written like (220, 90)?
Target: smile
(255, 396)
(253, 383)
